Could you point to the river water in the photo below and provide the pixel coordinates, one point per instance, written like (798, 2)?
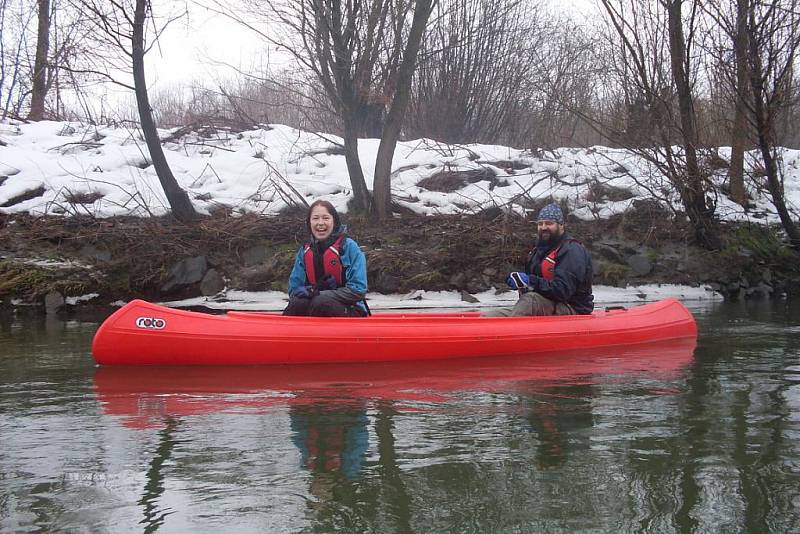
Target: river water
(660, 438)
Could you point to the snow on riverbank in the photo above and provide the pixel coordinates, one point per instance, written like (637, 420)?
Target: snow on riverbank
(421, 300)
(73, 169)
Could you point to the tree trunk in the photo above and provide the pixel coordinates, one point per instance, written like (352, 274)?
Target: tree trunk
(361, 198)
(739, 133)
(39, 89)
(776, 190)
(178, 199)
(692, 189)
(765, 133)
(382, 184)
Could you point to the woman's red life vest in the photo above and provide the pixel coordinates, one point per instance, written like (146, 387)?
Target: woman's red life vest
(331, 262)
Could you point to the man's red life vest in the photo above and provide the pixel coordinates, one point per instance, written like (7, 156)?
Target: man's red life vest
(548, 265)
(331, 262)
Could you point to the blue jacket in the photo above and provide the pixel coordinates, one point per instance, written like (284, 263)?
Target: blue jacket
(355, 274)
(572, 282)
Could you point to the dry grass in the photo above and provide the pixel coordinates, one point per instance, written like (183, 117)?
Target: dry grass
(130, 257)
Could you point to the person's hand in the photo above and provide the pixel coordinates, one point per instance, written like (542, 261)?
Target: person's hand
(327, 282)
(518, 280)
(303, 292)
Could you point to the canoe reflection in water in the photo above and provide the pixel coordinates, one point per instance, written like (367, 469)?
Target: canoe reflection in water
(333, 408)
(144, 396)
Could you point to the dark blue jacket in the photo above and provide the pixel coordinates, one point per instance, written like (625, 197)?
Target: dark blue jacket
(572, 282)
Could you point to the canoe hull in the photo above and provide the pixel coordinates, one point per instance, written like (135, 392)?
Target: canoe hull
(141, 333)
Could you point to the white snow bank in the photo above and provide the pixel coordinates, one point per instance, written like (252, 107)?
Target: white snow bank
(265, 170)
(604, 296)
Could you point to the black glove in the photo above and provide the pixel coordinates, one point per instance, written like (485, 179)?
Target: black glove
(327, 282)
(303, 292)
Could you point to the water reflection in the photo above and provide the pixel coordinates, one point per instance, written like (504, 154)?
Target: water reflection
(333, 442)
(641, 439)
(555, 415)
(144, 396)
(154, 516)
(343, 418)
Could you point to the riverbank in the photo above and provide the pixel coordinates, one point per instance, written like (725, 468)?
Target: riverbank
(63, 264)
(83, 221)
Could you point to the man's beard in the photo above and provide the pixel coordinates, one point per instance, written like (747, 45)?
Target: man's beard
(546, 237)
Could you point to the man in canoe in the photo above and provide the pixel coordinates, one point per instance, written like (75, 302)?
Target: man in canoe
(329, 277)
(557, 279)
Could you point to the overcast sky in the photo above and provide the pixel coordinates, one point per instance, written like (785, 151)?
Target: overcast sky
(195, 47)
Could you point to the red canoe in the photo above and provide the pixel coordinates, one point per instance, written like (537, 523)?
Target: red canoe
(141, 333)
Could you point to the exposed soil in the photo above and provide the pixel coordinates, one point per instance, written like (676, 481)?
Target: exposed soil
(123, 258)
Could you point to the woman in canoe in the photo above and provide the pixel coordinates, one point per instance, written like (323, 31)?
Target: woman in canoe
(329, 277)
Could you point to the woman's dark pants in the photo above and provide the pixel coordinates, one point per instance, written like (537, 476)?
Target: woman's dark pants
(321, 305)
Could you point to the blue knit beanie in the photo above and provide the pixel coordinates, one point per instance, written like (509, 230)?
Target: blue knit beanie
(551, 212)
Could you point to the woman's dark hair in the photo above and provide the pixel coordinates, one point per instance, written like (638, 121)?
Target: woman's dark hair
(328, 207)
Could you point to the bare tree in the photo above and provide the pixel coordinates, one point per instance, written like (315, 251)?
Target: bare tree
(71, 48)
(739, 131)
(40, 70)
(564, 85)
(654, 50)
(121, 27)
(773, 30)
(362, 52)
(399, 102)
(727, 47)
(246, 101)
(693, 189)
(340, 45)
(478, 62)
(38, 41)
(16, 19)
(178, 199)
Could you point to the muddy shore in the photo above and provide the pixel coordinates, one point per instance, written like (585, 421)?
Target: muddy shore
(56, 258)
